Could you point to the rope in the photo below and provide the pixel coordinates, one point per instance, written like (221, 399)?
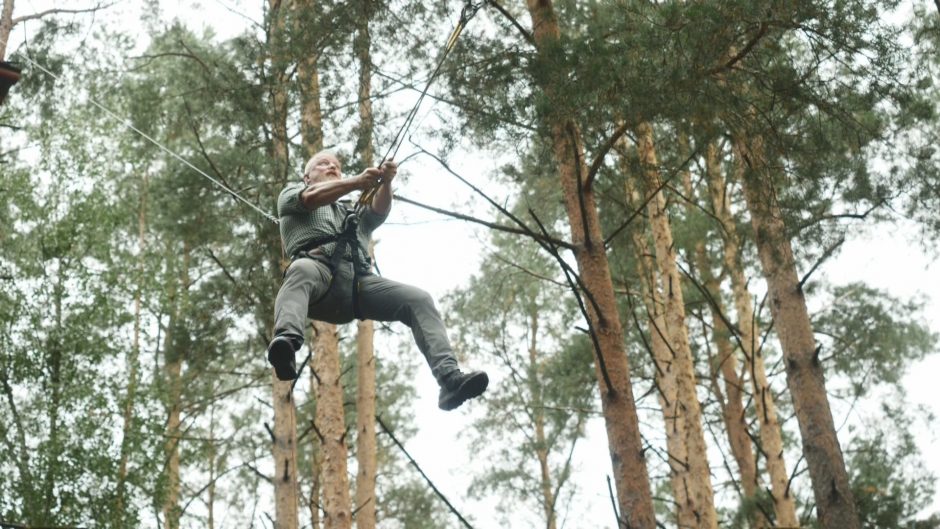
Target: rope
(423, 475)
(469, 10)
(128, 125)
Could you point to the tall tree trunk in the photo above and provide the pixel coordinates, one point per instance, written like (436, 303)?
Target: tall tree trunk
(731, 399)
(316, 453)
(538, 417)
(284, 450)
(337, 513)
(173, 366)
(701, 495)
(725, 363)
(834, 500)
(616, 390)
(284, 445)
(667, 384)
(133, 360)
(311, 128)
(769, 431)
(6, 26)
(365, 351)
(311, 117)
(365, 427)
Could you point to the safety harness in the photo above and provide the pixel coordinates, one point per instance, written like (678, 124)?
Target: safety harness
(346, 240)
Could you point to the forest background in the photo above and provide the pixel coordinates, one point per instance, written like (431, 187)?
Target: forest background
(112, 251)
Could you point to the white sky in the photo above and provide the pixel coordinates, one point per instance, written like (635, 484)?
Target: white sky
(889, 258)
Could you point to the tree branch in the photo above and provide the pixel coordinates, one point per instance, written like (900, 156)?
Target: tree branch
(602, 153)
(495, 204)
(581, 189)
(761, 31)
(56, 11)
(527, 271)
(488, 224)
(652, 195)
(425, 476)
(512, 20)
(566, 268)
(826, 255)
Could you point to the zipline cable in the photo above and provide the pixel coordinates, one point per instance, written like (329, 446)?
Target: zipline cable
(470, 9)
(127, 124)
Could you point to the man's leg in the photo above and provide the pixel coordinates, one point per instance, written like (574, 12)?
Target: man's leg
(386, 300)
(305, 280)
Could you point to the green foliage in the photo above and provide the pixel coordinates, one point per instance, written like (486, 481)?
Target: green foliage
(536, 414)
(888, 480)
(874, 335)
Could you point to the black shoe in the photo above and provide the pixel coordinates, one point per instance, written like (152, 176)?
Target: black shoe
(281, 356)
(460, 387)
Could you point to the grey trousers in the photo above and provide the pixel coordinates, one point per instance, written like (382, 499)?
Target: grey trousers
(311, 290)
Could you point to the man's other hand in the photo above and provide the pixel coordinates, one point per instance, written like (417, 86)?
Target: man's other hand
(369, 178)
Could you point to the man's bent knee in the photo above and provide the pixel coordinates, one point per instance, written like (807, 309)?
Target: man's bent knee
(307, 271)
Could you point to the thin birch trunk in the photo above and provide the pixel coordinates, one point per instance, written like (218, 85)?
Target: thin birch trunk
(835, 504)
(331, 424)
(538, 417)
(316, 452)
(769, 430)
(311, 116)
(284, 450)
(365, 426)
(701, 495)
(634, 498)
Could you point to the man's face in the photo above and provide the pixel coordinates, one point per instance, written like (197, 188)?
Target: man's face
(323, 167)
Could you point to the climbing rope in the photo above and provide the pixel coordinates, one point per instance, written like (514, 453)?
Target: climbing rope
(470, 9)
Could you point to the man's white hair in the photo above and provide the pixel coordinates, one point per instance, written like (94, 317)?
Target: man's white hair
(309, 164)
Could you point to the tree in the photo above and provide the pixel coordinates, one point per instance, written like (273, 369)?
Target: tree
(510, 313)
(613, 374)
(748, 331)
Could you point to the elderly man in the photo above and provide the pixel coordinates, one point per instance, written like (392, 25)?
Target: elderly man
(330, 277)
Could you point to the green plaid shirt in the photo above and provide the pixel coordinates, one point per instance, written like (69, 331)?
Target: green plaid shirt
(300, 226)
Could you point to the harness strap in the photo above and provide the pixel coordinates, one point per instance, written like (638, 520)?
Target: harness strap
(347, 239)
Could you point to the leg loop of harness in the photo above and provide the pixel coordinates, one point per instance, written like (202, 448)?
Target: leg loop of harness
(357, 312)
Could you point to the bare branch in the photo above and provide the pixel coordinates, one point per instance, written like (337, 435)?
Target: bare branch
(575, 284)
(761, 31)
(495, 204)
(425, 476)
(512, 20)
(56, 11)
(602, 153)
(826, 255)
(488, 224)
(527, 271)
(650, 197)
